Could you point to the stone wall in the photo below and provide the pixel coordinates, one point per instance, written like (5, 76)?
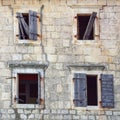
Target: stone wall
(58, 48)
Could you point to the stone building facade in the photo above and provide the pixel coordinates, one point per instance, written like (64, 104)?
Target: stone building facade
(50, 57)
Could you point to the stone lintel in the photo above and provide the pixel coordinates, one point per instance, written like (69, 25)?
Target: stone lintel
(87, 67)
(27, 64)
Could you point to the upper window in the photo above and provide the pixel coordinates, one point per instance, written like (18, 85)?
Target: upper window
(27, 25)
(86, 26)
(86, 90)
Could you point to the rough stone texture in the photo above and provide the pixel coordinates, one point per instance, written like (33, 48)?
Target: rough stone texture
(58, 48)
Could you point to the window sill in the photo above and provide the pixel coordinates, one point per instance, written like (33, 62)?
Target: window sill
(86, 42)
(28, 106)
(87, 108)
(27, 41)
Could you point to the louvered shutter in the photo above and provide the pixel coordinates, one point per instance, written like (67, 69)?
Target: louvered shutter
(107, 90)
(80, 96)
(32, 25)
(89, 26)
(39, 87)
(23, 26)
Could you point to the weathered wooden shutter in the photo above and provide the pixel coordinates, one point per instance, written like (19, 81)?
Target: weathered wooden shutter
(23, 26)
(32, 25)
(89, 26)
(39, 87)
(80, 96)
(107, 90)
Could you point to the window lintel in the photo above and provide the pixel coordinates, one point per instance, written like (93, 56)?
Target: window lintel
(30, 64)
(86, 67)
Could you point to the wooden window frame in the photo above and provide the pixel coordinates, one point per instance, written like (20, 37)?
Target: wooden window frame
(83, 12)
(15, 85)
(27, 84)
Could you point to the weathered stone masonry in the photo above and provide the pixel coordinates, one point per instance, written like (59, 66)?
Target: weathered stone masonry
(61, 54)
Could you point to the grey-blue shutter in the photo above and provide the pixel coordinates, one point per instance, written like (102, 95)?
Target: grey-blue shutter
(107, 90)
(89, 26)
(80, 96)
(33, 25)
(23, 26)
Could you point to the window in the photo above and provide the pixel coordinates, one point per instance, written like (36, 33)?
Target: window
(28, 88)
(86, 90)
(27, 25)
(85, 26)
(28, 84)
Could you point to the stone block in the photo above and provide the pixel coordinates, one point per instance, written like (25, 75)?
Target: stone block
(27, 111)
(66, 43)
(38, 116)
(76, 117)
(72, 112)
(91, 117)
(64, 111)
(108, 113)
(23, 116)
(10, 111)
(31, 116)
(16, 57)
(52, 58)
(116, 113)
(84, 117)
(46, 111)
(35, 111)
(13, 116)
(67, 117)
(20, 110)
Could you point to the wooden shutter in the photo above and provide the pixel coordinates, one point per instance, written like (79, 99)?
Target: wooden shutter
(39, 87)
(80, 96)
(21, 32)
(32, 25)
(23, 26)
(89, 26)
(107, 90)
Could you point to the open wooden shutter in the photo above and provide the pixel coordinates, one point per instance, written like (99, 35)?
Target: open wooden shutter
(89, 26)
(23, 26)
(39, 87)
(80, 96)
(107, 90)
(32, 25)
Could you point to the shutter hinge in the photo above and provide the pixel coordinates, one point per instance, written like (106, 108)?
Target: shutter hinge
(75, 36)
(42, 101)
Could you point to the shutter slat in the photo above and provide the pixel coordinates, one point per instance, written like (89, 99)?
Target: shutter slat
(89, 26)
(107, 90)
(80, 96)
(33, 25)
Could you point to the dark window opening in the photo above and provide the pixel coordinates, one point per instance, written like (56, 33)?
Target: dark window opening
(28, 88)
(82, 22)
(92, 90)
(26, 18)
